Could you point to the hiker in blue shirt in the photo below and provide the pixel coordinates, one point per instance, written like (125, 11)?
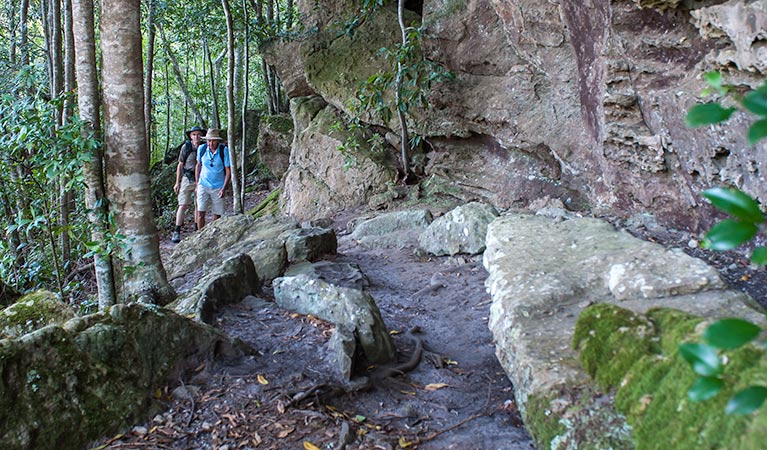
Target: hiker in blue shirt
(213, 173)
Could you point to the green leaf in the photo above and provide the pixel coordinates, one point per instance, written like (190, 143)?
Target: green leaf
(707, 114)
(704, 388)
(756, 102)
(728, 234)
(729, 334)
(735, 203)
(713, 78)
(747, 400)
(702, 358)
(757, 131)
(759, 256)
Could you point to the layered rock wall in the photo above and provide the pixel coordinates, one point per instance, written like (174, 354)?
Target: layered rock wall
(578, 100)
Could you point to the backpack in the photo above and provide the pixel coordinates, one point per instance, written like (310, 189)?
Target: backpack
(187, 150)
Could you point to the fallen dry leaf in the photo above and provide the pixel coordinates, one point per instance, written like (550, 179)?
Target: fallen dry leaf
(435, 386)
(262, 380)
(309, 446)
(284, 433)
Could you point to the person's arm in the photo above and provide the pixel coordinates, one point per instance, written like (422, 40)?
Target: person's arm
(228, 176)
(179, 172)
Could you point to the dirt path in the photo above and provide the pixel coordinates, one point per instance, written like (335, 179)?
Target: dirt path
(456, 398)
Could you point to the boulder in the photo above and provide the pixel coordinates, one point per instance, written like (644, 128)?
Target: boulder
(338, 274)
(195, 250)
(64, 386)
(218, 238)
(232, 281)
(542, 274)
(309, 244)
(282, 55)
(462, 230)
(321, 179)
(268, 255)
(275, 136)
(391, 230)
(347, 307)
(32, 312)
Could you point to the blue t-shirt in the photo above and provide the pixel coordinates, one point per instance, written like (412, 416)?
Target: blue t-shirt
(212, 172)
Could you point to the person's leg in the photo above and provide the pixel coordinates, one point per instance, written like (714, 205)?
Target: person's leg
(180, 216)
(203, 203)
(217, 207)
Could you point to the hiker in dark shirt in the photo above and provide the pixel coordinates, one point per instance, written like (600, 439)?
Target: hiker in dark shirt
(185, 177)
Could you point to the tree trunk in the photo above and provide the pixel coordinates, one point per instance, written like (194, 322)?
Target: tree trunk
(56, 52)
(230, 107)
(12, 25)
(88, 104)
(23, 33)
(127, 162)
(167, 107)
(148, 73)
(245, 92)
(180, 79)
(67, 195)
(213, 85)
(405, 144)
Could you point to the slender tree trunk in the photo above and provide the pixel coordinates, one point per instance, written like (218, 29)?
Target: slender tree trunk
(167, 107)
(23, 32)
(180, 79)
(88, 105)
(245, 92)
(127, 162)
(44, 8)
(230, 107)
(56, 52)
(213, 85)
(67, 195)
(148, 73)
(289, 19)
(12, 26)
(405, 144)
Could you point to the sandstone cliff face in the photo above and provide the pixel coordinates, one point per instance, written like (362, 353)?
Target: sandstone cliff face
(579, 100)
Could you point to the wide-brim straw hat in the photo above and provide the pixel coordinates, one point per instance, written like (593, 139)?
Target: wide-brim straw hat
(212, 135)
(195, 128)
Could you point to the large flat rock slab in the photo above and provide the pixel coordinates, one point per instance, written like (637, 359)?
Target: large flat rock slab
(543, 273)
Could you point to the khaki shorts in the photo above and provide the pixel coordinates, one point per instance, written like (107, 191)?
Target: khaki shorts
(186, 191)
(207, 200)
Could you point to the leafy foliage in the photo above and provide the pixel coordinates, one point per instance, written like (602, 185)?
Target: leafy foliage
(708, 359)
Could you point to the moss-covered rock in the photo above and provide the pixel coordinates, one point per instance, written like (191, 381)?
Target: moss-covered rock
(637, 355)
(65, 386)
(576, 417)
(610, 340)
(32, 312)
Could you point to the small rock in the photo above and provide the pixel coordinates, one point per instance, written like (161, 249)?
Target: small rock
(140, 431)
(693, 243)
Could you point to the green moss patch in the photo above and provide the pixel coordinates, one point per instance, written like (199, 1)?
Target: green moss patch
(281, 123)
(576, 418)
(637, 355)
(610, 340)
(268, 206)
(32, 312)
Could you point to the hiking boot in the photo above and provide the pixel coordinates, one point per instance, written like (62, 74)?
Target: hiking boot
(176, 237)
